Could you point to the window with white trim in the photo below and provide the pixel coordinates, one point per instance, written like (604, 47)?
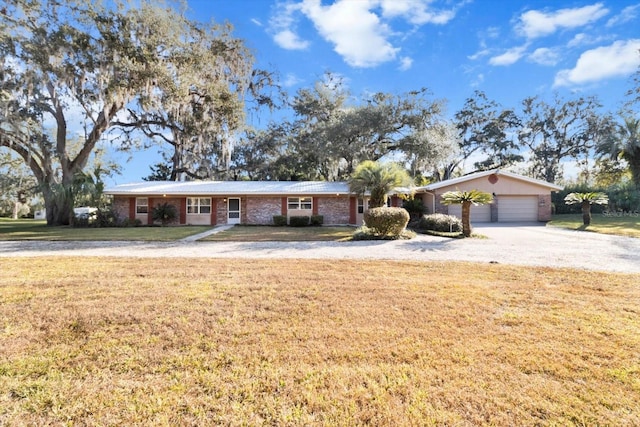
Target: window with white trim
(360, 205)
(198, 205)
(299, 203)
(142, 205)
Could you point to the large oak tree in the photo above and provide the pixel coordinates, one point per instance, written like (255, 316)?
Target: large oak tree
(331, 132)
(78, 70)
(557, 131)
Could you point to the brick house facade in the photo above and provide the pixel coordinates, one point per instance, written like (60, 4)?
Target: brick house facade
(237, 202)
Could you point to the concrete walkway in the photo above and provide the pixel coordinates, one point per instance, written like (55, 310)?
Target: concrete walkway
(214, 230)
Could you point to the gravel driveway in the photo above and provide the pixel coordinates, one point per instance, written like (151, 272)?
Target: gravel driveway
(521, 244)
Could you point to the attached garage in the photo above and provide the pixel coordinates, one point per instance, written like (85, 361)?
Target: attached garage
(480, 213)
(517, 208)
(517, 198)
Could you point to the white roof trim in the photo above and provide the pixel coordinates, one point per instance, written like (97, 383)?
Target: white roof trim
(228, 188)
(454, 181)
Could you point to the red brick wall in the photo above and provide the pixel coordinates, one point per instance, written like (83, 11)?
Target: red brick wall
(260, 210)
(335, 210)
(221, 211)
(123, 206)
(544, 207)
(175, 201)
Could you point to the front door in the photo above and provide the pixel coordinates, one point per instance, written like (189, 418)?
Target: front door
(233, 211)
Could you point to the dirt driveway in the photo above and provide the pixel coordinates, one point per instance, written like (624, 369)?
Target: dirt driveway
(521, 244)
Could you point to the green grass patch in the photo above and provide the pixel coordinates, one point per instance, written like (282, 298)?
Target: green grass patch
(616, 225)
(29, 229)
(264, 233)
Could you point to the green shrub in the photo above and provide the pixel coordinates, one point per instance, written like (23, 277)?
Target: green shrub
(279, 220)
(366, 233)
(440, 222)
(317, 220)
(386, 221)
(128, 222)
(165, 213)
(623, 197)
(560, 207)
(415, 207)
(299, 221)
(106, 217)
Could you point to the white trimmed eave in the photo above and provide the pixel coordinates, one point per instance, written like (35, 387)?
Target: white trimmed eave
(459, 180)
(230, 188)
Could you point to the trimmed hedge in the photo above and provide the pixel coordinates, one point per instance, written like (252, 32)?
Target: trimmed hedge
(386, 221)
(365, 233)
(440, 222)
(317, 220)
(299, 221)
(415, 207)
(279, 220)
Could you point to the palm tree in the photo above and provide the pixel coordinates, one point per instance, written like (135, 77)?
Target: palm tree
(623, 143)
(466, 199)
(165, 213)
(378, 179)
(586, 200)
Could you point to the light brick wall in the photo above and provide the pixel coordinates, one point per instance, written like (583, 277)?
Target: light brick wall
(335, 210)
(260, 210)
(221, 211)
(121, 207)
(544, 207)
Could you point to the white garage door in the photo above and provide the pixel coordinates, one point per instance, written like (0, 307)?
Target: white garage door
(517, 208)
(480, 213)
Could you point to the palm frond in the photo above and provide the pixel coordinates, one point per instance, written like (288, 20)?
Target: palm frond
(593, 198)
(476, 197)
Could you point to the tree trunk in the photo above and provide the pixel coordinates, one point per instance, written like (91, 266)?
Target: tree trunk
(586, 213)
(58, 201)
(466, 219)
(16, 209)
(378, 198)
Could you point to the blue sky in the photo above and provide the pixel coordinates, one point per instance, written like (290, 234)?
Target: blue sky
(508, 49)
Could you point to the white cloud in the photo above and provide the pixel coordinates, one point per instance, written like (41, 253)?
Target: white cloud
(357, 33)
(627, 14)
(511, 56)
(287, 39)
(478, 81)
(618, 59)
(360, 30)
(534, 23)
(479, 54)
(417, 12)
(405, 63)
(282, 26)
(583, 39)
(291, 80)
(545, 56)
(256, 22)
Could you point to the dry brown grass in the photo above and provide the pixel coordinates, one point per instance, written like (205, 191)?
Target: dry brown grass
(86, 341)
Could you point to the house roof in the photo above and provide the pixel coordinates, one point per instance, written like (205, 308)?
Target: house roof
(454, 181)
(226, 188)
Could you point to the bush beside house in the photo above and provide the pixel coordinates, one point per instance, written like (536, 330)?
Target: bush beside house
(440, 223)
(383, 223)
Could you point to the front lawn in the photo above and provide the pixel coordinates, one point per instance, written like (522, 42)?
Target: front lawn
(264, 233)
(29, 229)
(617, 225)
(111, 341)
